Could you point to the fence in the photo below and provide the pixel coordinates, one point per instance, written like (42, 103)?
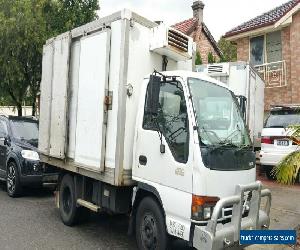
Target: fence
(11, 110)
(274, 74)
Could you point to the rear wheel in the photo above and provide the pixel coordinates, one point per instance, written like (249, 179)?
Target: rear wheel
(13, 185)
(69, 212)
(150, 226)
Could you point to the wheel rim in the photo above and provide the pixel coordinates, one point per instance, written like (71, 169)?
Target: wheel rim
(67, 200)
(149, 233)
(11, 179)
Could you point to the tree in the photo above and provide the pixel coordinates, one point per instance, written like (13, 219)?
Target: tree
(22, 33)
(211, 58)
(198, 60)
(228, 49)
(25, 27)
(64, 15)
(288, 169)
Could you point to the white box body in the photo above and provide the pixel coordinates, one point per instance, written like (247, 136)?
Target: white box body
(107, 57)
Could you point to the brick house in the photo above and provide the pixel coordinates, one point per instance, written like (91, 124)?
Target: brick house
(271, 42)
(196, 28)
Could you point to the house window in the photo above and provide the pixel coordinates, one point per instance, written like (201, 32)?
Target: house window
(257, 50)
(274, 47)
(266, 48)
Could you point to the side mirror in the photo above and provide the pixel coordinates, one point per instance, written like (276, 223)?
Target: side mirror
(153, 95)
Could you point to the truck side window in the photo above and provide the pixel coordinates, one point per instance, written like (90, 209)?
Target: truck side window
(3, 129)
(172, 119)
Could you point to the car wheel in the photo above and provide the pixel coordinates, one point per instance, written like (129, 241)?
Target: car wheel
(150, 226)
(69, 212)
(269, 173)
(13, 185)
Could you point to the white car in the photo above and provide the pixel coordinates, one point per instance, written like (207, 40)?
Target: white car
(276, 142)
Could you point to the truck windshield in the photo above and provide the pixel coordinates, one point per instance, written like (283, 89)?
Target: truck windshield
(25, 130)
(218, 115)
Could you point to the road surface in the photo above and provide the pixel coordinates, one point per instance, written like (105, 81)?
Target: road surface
(32, 222)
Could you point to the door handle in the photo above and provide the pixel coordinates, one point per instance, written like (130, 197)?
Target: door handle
(143, 160)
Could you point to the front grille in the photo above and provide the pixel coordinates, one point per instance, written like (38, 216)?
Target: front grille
(31, 168)
(178, 41)
(226, 213)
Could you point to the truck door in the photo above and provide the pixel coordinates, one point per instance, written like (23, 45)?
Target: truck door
(92, 87)
(169, 172)
(3, 147)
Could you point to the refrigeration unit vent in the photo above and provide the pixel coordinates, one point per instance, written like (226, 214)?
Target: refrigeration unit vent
(178, 41)
(215, 69)
(172, 43)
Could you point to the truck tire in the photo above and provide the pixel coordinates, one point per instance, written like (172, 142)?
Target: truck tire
(150, 226)
(13, 185)
(69, 212)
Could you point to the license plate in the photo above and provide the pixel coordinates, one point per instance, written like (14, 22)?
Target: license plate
(283, 143)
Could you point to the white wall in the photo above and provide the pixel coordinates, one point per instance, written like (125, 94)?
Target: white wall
(11, 110)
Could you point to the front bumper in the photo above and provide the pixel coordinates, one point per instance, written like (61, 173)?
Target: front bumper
(217, 236)
(33, 173)
(39, 179)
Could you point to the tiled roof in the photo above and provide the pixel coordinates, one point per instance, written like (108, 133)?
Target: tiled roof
(265, 19)
(188, 26)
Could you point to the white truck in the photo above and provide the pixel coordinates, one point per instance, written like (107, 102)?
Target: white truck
(248, 86)
(130, 140)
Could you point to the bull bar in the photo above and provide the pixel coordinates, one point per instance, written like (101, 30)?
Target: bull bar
(218, 236)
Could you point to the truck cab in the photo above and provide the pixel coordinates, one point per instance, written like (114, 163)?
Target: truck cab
(192, 149)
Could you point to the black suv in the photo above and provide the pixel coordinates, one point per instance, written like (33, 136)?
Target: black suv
(19, 160)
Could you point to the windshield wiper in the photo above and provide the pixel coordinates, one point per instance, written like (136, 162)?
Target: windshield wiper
(232, 134)
(209, 133)
(226, 142)
(243, 146)
(223, 145)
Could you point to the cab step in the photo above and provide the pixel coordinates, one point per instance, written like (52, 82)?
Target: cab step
(88, 205)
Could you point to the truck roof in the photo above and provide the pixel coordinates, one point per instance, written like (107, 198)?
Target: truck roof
(186, 74)
(103, 21)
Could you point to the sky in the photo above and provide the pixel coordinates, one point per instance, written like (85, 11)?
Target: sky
(219, 15)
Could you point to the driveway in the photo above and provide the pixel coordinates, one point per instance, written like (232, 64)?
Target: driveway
(285, 210)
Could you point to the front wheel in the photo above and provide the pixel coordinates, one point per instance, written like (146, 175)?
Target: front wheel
(150, 226)
(13, 184)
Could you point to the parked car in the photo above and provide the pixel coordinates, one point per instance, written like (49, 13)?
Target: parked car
(19, 160)
(276, 142)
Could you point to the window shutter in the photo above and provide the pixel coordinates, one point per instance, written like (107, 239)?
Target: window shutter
(274, 47)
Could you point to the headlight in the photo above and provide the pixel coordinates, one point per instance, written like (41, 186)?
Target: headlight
(202, 207)
(30, 155)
